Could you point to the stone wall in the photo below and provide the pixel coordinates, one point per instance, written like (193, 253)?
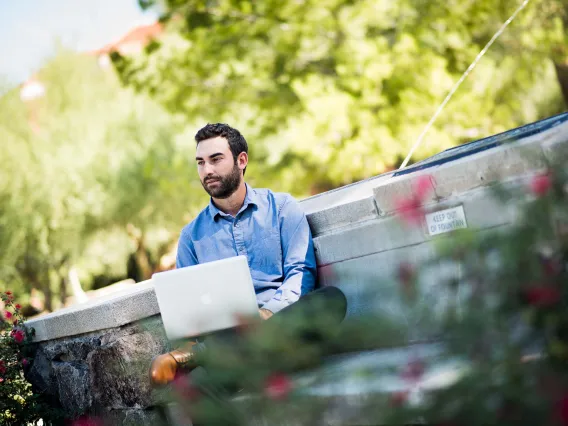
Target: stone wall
(102, 371)
(94, 357)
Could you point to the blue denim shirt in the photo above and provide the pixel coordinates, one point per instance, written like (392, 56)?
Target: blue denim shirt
(271, 231)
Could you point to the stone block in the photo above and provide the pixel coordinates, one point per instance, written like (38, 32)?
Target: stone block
(119, 371)
(73, 386)
(342, 216)
(40, 374)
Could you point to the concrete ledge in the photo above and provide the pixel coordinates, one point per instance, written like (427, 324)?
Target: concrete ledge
(111, 311)
(331, 211)
(479, 170)
(338, 217)
(389, 233)
(344, 195)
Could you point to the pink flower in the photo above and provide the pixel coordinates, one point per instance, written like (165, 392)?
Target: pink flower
(541, 184)
(562, 410)
(398, 398)
(414, 371)
(277, 386)
(25, 362)
(410, 209)
(422, 186)
(326, 273)
(8, 314)
(406, 272)
(18, 306)
(18, 335)
(406, 275)
(542, 296)
(552, 267)
(185, 388)
(2, 367)
(87, 421)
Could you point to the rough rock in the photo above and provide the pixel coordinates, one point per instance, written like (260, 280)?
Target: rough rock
(101, 372)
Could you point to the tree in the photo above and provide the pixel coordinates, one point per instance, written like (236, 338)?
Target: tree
(87, 157)
(335, 91)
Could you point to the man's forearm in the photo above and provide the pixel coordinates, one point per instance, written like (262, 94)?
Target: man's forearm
(288, 292)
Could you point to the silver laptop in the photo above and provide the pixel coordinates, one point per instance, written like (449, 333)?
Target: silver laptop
(203, 298)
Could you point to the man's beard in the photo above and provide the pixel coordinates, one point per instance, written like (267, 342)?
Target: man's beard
(227, 185)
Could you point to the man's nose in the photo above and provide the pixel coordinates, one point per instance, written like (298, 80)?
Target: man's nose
(208, 169)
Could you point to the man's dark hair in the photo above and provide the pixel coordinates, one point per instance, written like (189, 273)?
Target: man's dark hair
(237, 142)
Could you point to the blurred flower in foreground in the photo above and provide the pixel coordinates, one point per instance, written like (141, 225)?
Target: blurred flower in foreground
(414, 371)
(277, 386)
(406, 275)
(410, 209)
(562, 410)
(398, 398)
(183, 386)
(541, 184)
(87, 421)
(542, 296)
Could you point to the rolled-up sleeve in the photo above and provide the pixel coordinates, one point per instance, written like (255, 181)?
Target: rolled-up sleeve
(298, 257)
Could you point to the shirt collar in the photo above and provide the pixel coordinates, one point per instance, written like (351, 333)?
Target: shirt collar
(251, 198)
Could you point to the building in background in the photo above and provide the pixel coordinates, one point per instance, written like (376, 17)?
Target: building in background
(132, 43)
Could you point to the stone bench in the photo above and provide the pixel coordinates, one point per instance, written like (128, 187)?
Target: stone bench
(359, 243)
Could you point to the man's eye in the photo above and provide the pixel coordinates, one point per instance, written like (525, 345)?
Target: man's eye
(200, 163)
(216, 159)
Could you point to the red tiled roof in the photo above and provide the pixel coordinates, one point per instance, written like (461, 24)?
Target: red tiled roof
(142, 35)
(139, 35)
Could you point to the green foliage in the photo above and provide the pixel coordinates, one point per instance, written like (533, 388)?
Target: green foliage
(335, 91)
(19, 405)
(87, 157)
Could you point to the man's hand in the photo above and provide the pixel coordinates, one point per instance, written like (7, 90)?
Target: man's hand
(265, 313)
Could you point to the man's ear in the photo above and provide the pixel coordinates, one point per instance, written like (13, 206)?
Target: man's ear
(242, 160)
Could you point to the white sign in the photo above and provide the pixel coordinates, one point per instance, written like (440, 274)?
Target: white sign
(446, 220)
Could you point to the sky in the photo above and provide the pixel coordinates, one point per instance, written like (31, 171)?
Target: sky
(30, 29)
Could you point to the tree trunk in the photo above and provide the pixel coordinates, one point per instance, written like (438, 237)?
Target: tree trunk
(143, 260)
(141, 256)
(562, 75)
(46, 288)
(62, 289)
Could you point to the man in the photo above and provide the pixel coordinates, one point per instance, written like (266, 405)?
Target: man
(268, 228)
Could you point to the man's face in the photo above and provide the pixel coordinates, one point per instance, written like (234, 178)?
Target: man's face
(218, 172)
